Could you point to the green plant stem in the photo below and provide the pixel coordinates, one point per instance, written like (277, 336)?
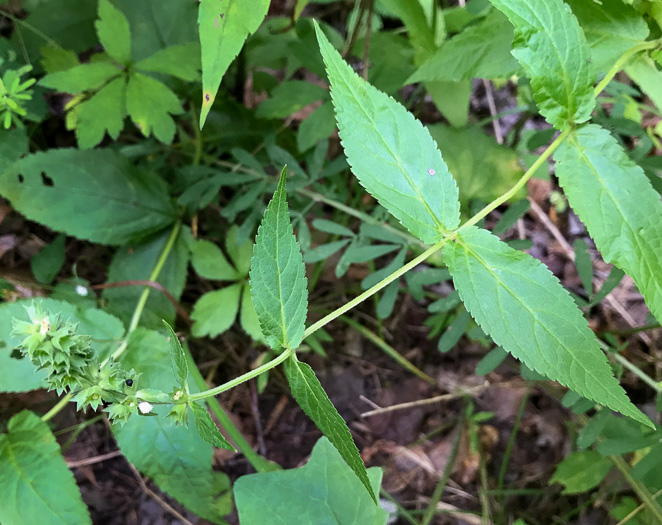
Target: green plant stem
(140, 306)
(512, 438)
(259, 463)
(245, 377)
(197, 139)
(636, 511)
(620, 63)
(59, 406)
(388, 349)
(445, 476)
(380, 285)
(646, 497)
(634, 369)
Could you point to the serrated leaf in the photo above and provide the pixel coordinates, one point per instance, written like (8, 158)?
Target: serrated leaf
(224, 27)
(95, 195)
(113, 32)
(20, 375)
(35, 484)
(105, 111)
(175, 457)
(552, 49)
(240, 254)
(278, 275)
(290, 97)
(136, 261)
(208, 429)
(523, 307)
(581, 471)
(391, 153)
(178, 357)
(209, 262)
(179, 61)
(312, 398)
(615, 200)
(324, 490)
(215, 311)
(480, 51)
(84, 77)
(611, 28)
(150, 103)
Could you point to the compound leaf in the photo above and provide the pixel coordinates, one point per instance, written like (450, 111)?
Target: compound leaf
(150, 104)
(208, 429)
(312, 398)
(324, 490)
(95, 195)
(552, 49)
(113, 32)
(526, 311)
(618, 205)
(105, 111)
(35, 484)
(391, 153)
(224, 27)
(278, 276)
(179, 61)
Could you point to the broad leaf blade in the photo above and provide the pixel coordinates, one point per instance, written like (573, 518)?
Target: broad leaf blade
(208, 429)
(324, 490)
(552, 48)
(312, 398)
(114, 33)
(102, 113)
(150, 103)
(224, 27)
(178, 357)
(175, 457)
(391, 153)
(278, 276)
(618, 205)
(81, 78)
(526, 311)
(216, 311)
(179, 61)
(35, 484)
(95, 195)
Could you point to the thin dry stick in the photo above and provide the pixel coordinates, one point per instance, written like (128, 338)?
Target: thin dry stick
(498, 134)
(164, 504)
(637, 510)
(95, 459)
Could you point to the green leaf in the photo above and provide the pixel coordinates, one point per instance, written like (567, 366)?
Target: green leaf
(179, 61)
(209, 262)
(150, 104)
(240, 254)
(523, 307)
(312, 398)
(331, 227)
(179, 364)
(324, 490)
(482, 168)
(278, 275)
(208, 429)
(615, 200)
(649, 78)
(95, 195)
(135, 262)
(552, 49)
(48, 262)
(611, 28)
(84, 77)
(584, 265)
(581, 471)
(113, 32)
(290, 97)
(55, 59)
(175, 457)
(413, 17)
(105, 111)
(324, 251)
(215, 311)
(35, 484)
(13, 146)
(20, 375)
(480, 51)
(454, 332)
(247, 315)
(318, 126)
(224, 27)
(391, 153)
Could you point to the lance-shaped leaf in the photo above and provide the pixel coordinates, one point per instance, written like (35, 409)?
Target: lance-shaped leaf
(278, 275)
(618, 205)
(391, 153)
(114, 32)
(312, 398)
(526, 311)
(552, 48)
(179, 365)
(224, 27)
(95, 195)
(208, 429)
(35, 484)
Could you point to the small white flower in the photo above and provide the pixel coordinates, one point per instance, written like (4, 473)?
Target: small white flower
(145, 407)
(45, 326)
(82, 291)
(178, 395)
